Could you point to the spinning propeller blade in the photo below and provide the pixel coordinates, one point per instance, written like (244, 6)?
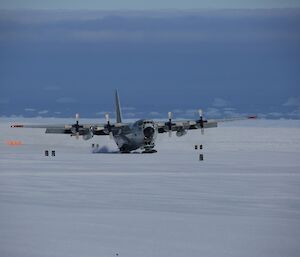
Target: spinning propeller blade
(106, 118)
(76, 126)
(201, 121)
(108, 126)
(169, 123)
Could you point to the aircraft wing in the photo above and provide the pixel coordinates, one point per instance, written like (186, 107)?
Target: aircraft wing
(184, 125)
(99, 129)
(81, 129)
(236, 119)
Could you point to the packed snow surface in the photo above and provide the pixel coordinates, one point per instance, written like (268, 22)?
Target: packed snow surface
(242, 200)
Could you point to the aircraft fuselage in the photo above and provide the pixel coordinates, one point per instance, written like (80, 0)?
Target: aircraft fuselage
(138, 135)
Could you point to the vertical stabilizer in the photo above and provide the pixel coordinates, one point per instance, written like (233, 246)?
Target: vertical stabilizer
(118, 108)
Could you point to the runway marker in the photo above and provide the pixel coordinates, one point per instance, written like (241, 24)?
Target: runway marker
(14, 142)
(200, 157)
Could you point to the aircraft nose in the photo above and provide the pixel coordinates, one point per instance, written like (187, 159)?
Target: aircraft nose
(148, 132)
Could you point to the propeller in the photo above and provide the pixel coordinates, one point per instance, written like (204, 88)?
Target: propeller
(201, 121)
(79, 130)
(169, 123)
(108, 126)
(77, 126)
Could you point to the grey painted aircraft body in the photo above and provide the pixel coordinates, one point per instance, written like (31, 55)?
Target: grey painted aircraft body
(140, 134)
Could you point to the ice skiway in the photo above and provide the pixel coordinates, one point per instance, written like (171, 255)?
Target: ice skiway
(243, 200)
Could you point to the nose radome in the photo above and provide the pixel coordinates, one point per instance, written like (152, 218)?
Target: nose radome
(148, 132)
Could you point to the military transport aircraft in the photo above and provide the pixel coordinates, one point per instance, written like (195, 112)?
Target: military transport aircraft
(131, 136)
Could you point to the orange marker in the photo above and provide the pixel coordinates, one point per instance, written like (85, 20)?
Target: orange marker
(14, 142)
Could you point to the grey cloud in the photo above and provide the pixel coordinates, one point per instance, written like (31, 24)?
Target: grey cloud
(231, 113)
(229, 109)
(213, 112)
(190, 112)
(102, 113)
(129, 115)
(43, 112)
(295, 113)
(128, 108)
(292, 101)
(16, 116)
(139, 51)
(276, 114)
(219, 102)
(184, 26)
(155, 114)
(262, 115)
(145, 5)
(178, 111)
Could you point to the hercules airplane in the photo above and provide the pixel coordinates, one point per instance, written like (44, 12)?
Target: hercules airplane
(131, 136)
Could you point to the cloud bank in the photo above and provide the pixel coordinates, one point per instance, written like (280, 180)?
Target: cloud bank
(71, 61)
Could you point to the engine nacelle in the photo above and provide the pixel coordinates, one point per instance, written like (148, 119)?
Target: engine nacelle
(87, 136)
(73, 130)
(181, 132)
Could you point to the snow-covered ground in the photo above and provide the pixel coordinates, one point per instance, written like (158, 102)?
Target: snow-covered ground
(242, 200)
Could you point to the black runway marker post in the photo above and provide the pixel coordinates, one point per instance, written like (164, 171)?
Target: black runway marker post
(201, 157)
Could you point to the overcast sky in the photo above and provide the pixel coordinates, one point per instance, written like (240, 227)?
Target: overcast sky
(146, 4)
(58, 62)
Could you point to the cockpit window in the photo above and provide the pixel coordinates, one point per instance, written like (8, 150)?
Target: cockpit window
(148, 122)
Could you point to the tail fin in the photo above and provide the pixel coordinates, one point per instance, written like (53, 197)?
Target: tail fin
(118, 108)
